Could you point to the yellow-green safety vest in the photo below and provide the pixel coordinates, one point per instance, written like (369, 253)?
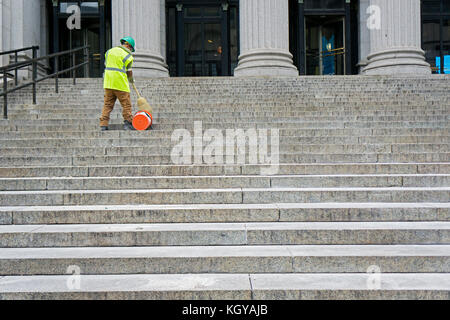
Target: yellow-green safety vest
(118, 61)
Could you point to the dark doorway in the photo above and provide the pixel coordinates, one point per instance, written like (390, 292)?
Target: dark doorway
(88, 35)
(95, 32)
(436, 34)
(322, 36)
(202, 38)
(203, 49)
(325, 46)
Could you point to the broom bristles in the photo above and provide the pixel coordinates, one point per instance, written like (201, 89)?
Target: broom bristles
(143, 105)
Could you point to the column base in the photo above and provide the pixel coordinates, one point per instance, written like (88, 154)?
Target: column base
(266, 62)
(147, 65)
(397, 61)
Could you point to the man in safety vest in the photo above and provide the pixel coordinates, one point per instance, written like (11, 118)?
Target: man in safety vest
(118, 75)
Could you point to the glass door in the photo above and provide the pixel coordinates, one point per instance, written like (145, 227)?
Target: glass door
(333, 50)
(213, 50)
(88, 35)
(203, 44)
(91, 35)
(193, 49)
(446, 44)
(436, 34)
(325, 46)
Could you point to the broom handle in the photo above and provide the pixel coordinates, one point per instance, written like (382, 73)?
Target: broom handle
(137, 92)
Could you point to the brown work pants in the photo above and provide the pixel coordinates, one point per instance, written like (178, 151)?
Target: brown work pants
(111, 97)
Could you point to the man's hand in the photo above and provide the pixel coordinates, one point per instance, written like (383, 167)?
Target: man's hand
(130, 76)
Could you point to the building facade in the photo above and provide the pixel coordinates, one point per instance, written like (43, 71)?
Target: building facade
(240, 38)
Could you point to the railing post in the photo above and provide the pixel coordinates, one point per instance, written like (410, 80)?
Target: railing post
(74, 70)
(5, 96)
(16, 71)
(56, 74)
(34, 73)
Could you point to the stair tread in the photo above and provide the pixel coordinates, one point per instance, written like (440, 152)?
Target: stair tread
(212, 190)
(244, 227)
(319, 205)
(231, 282)
(226, 251)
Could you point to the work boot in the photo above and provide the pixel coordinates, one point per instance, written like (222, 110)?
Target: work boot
(104, 128)
(128, 126)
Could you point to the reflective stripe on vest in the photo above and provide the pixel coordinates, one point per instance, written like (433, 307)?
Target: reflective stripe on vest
(126, 58)
(115, 69)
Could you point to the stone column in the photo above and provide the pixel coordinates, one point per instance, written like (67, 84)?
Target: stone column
(141, 19)
(264, 33)
(364, 34)
(396, 45)
(20, 28)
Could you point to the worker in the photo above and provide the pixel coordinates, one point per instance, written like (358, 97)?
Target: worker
(117, 76)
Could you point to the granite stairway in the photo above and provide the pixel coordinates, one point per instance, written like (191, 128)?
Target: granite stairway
(358, 207)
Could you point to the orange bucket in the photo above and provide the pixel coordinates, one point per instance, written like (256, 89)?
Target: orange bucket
(142, 121)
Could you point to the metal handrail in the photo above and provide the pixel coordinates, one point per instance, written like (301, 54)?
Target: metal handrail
(16, 57)
(18, 50)
(34, 63)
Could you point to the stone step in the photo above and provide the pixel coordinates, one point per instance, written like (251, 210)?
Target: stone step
(333, 286)
(93, 125)
(101, 140)
(238, 122)
(320, 89)
(225, 234)
(225, 213)
(262, 109)
(112, 133)
(242, 89)
(171, 94)
(219, 117)
(243, 85)
(252, 96)
(162, 111)
(436, 143)
(225, 196)
(166, 159)
(283, 149)
(267, 106)
(222, 182)
(236, 259)
(220, 170)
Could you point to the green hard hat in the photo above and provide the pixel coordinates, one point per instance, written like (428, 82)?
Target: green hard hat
(130, 40)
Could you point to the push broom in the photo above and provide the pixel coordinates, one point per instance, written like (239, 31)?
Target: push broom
(142, 103)
(143, 119)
